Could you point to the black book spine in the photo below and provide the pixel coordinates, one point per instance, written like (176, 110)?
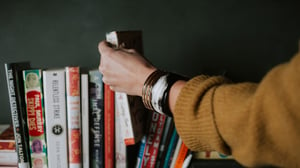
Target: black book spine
(18, 111)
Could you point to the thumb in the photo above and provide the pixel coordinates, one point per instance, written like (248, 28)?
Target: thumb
(104, 47)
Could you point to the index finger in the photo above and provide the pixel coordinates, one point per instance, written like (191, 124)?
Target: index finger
(104, 46)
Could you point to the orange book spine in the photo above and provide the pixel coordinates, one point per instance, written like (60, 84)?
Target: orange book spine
(181, 155)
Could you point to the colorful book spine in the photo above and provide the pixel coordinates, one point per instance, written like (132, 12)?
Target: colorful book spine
(7, 139)
(85, 121)
(141, 152)
(55, 116)
(73, 116)
(171, 148)
(35, 117)
(153, 140)
(176, 152)
(96, 101)
(183, 151)
(109, 128)
(18, 110)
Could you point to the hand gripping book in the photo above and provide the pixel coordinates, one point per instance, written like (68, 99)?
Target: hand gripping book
(73, 116)
(18, 110)
(35, 117)
(131, 108)
(55, 115)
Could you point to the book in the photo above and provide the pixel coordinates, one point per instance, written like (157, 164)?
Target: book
(85, 120)
(176, 152)
(35, 117)
(183, 151)
(73, 116)
(96, 102)
(55, 116)
(18, 110)
(153, 139)
(141, 152)
(168, 129)
(131, 108)
(109, 128)
(7, 139)
(120, 146)
(171, 149)
(8, 154)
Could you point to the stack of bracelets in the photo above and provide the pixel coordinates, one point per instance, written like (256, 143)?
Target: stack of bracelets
(155, 93)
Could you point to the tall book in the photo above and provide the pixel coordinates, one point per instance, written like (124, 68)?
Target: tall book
(132, 110)
(109, 128)
(73, 116)
(96, 99)
(18, 110)
(55, 116)
(153, 140)
(35, 117)
(85, 120)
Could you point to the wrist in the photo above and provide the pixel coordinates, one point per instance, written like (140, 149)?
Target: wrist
(156, 89)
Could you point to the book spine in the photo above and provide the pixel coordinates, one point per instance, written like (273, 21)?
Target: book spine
(85, 121)
(125, 121)
(109, 129)
(8, 159)
(55, 115)
(181, 156)
(176, 152)
(73, 116)
(141, 152)
(171, 148)
(120, 147)
(7, 139)
(153, 140)
(18, 111)
(35, 117)
(165, 140)
(96, 101)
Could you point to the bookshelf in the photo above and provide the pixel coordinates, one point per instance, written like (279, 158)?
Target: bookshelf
(239, 35)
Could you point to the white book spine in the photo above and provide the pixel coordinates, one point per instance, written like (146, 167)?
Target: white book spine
(120, 147)
(55, 114)
(85, 120)
(179, 143)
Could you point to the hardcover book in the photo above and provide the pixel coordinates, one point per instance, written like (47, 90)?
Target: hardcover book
(153, 140)
(18, 110)
(85, 120)
(96, 101)
(55, 115)
(35, 117)
(73, 116)
(132, 110)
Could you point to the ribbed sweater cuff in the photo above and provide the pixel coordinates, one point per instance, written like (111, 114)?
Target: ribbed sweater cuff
(194, 115)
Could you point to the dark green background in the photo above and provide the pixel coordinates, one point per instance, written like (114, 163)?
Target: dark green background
(241, 39)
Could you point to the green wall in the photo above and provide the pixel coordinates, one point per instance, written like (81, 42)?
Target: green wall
(241, 39)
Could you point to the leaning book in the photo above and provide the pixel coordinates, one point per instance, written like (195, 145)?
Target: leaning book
(35, 117)
(18, 110)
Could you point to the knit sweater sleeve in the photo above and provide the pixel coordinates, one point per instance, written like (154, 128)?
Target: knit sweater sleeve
(256, 123)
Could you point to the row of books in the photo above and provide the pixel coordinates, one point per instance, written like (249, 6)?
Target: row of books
(67, 117)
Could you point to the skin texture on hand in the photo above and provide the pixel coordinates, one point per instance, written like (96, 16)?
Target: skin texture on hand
(124, 70)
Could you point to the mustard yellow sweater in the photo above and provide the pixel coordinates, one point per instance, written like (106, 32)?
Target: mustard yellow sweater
(259, 124)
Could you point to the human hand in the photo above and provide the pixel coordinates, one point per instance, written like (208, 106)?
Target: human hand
(124, 70)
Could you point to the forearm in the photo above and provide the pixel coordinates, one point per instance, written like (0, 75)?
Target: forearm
(256, 123)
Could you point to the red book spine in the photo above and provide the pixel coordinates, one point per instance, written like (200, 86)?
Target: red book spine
(73, 115)
(109, 128)
(153, 140)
